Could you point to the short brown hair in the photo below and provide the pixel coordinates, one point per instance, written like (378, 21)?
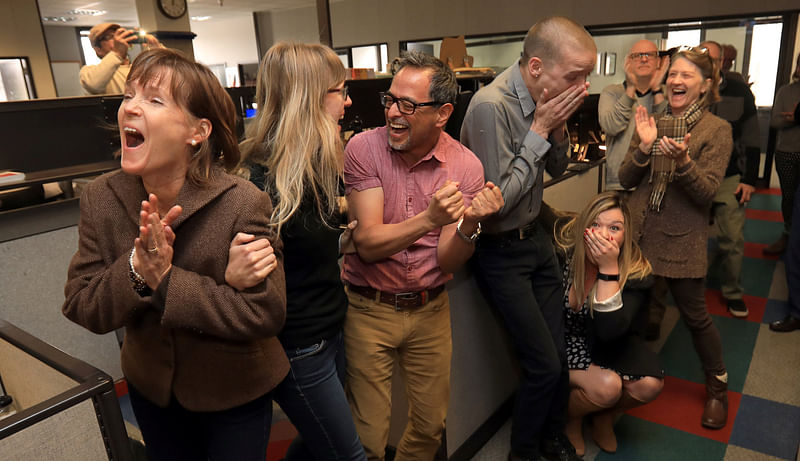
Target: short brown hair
(546, 38)
(196, 89)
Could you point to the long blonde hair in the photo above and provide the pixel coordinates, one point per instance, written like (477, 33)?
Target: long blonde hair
(632, 263)
(293, 136)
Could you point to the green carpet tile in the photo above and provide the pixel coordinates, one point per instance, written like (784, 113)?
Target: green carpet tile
(645, 441)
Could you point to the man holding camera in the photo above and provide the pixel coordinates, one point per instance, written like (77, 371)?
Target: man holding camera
(111, 42)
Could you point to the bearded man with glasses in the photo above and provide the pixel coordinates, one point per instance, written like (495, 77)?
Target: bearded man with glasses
(419, 197)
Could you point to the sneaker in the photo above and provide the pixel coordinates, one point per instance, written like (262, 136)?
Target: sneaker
(737, 308)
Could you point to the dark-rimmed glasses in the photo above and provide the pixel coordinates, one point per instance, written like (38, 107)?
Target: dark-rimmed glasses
(342, 90)
(645, 55)
(405, 106)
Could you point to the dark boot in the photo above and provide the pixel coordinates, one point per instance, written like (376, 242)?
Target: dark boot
(715, 414)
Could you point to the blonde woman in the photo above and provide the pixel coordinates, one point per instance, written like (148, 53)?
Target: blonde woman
(294, 152)
(611, 370)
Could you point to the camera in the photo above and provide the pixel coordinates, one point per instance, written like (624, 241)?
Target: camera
(140, 37)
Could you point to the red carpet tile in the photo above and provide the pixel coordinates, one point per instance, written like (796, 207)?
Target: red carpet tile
(277, 450)
(764, 215)
(716, 306)
(280, 437)
(756, 250)
(121, 387)
(680, 407)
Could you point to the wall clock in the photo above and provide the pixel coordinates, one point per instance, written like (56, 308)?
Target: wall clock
(172, 8)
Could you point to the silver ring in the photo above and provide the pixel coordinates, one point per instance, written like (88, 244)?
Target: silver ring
(152, 250)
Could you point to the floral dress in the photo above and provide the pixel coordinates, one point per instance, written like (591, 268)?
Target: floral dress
(577, 324)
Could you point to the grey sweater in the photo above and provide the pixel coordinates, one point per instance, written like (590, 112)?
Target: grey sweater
(788, 133)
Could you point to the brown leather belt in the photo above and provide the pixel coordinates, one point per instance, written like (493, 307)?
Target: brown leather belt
(400, 301)
(522, 233)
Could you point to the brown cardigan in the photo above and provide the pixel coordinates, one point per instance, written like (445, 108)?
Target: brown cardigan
(675, 240)
(210, 345)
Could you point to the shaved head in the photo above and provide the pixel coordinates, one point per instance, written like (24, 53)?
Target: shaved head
(548, 37)
(643, 46)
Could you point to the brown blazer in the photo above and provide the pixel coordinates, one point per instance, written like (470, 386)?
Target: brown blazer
(211, 346)
(675, 240)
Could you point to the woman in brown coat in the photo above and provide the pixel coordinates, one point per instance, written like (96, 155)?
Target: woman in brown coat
(200, 356)
(676, 164)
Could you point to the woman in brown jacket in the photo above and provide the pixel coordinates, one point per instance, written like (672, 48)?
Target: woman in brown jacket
(200, 356)
(676, 164)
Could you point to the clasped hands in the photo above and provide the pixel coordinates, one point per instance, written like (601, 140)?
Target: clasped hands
(152, 258)
(447, 206)
(647, 131)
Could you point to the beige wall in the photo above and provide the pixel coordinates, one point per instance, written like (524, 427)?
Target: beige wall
(21, 35)
(357, 22)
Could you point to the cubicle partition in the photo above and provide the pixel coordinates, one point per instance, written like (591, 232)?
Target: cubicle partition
(65, 409)
(52, 140)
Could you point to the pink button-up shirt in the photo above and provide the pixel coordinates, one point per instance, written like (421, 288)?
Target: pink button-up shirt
(370, 162)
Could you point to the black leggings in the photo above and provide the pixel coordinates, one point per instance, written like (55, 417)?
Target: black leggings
(787, 164)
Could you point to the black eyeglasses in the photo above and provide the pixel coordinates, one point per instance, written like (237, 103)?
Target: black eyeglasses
(645, 55)
(342, 90)
(405, 106)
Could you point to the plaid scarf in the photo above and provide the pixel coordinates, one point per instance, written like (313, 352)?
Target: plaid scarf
(662, 168)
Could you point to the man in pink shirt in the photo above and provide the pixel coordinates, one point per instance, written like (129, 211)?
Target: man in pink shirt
(419, 197)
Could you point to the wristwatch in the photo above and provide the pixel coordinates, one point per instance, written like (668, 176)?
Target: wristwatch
(465, 237)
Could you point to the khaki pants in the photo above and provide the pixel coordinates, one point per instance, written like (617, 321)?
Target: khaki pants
(729, 217)
(420, 340)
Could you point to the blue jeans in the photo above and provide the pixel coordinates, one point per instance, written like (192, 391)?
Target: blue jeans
(177, 434)
(313, 398)
(521, 280)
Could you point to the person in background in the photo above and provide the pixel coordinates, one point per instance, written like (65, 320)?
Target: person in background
(676, 165)
(419, 198)
(728, 58)
(517, 127)
(644, 76)
(792, 262)
(787, 152)
(738, 107)
(111, 43)
(786, 118)
(200, 356)
(611, 369)
(295, 153)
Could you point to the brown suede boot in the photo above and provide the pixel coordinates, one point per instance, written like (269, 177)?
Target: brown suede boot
(603, 422)
(579, 406)
(715, 414)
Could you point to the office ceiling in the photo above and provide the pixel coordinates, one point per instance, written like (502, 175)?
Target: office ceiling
(75, 12)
